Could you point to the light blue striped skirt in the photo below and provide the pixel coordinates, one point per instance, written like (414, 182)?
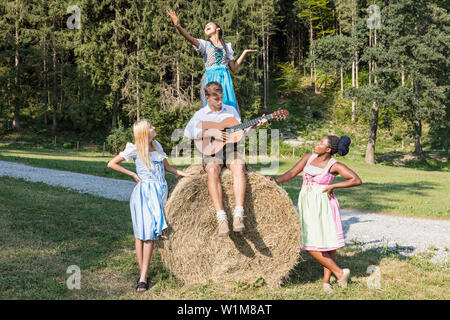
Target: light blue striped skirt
(221, 74)
(146, 206)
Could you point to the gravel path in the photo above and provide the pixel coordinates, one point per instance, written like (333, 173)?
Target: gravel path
(403, 235)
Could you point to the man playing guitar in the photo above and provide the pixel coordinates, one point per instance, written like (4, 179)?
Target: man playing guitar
(213, 162)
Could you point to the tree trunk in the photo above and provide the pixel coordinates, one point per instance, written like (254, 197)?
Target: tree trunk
(114, 110)
(138, 55)
(16, 119)
(54, 98)
(370, 151)
(45, 92)
(342, 82)
(403, 76)
(115, 104)
(418, 133)
(178, 80)
(357, 69)
(353, 85)
(311, 37)
(370, 60)
(264, 59)
(418, 126)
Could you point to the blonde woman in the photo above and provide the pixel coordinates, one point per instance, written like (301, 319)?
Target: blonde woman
(150, 193)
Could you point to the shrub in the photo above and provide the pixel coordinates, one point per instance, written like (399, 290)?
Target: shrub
(118, 138)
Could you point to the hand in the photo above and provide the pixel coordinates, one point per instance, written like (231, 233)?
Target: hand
(272, 179)
(329, 191)
(262, 122)
(217, 134)
(136, 178)
(187, 173)
(173, 16)
(249, 51)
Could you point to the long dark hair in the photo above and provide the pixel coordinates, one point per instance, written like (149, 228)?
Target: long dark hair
(221, 41)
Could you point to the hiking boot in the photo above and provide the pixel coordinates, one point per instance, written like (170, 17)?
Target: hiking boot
(238, 224)
(224, 230)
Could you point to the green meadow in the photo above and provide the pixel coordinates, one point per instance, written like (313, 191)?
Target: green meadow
(52, 228)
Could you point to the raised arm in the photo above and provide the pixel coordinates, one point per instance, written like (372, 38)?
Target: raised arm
(183, 32)
(294, 171)
(175, 171)
(234, 65)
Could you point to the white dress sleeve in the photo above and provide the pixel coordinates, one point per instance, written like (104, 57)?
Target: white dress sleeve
(161, 154)
(201, 46)
(230, 52)
(129, 152)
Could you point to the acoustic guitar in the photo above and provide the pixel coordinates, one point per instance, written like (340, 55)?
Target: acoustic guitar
(210, 146)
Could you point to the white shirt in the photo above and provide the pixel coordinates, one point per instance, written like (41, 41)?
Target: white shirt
(206, 114)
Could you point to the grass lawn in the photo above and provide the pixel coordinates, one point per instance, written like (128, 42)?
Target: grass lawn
(385, 189)
(46, 229)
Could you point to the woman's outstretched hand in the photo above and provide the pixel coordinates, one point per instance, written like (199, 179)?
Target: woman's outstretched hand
(249, 51)
(173, 16)
(187, 173)
(271, 179)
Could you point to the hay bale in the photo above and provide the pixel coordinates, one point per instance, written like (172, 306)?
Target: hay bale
(268, 248)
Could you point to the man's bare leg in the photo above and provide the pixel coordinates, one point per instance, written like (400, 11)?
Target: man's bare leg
(215, 191)
(237, 168)
(214, 187)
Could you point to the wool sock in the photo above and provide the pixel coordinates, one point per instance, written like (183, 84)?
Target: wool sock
(221, 215)
(238, 211)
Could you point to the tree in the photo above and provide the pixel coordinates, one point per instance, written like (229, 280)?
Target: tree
(316, 14)
(419, 36)
(332, 51)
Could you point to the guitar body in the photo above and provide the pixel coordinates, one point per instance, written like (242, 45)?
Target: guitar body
(210, 146)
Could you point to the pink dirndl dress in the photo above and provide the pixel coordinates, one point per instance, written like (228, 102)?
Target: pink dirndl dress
(319, 216)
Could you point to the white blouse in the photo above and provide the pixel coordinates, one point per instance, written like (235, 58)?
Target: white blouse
(131, 152)
(202, 48)
(313, 170)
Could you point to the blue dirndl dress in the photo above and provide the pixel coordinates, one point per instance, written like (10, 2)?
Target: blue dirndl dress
(216, 69)
(149, 197)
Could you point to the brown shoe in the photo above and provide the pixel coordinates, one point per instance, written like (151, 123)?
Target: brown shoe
(238, 224)
(224, 230)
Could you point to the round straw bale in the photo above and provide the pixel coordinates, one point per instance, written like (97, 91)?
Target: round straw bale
(268, 248)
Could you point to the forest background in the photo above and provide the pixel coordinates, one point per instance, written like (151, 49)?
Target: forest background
(86, 74)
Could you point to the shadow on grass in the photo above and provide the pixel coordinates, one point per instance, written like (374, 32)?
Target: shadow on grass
(359, 262)
(429, 161)
(372, 196)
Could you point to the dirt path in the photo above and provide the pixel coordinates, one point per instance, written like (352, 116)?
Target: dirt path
(367, 230)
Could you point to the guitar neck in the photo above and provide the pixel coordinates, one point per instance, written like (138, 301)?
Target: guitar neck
(248, 124)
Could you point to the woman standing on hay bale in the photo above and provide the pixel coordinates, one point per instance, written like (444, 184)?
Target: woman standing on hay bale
(318, 207)
(218, 56)
(150, 193)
